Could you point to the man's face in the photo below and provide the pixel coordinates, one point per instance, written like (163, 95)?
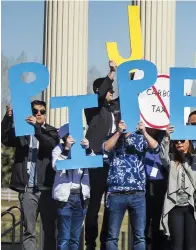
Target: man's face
(109, 96)
(39, 112)
(192, 120)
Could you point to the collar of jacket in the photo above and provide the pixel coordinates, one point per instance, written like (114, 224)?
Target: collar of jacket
(109, 106)
(47, 127)
(26, 139)
(173, 184)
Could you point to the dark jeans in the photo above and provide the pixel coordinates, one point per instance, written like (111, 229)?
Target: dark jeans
(32, 203)
(98, 183)
(155, 192)
(182, 227)
(117, 206)
(70, 216)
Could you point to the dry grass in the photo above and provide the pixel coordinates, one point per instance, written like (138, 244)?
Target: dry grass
(6, 223)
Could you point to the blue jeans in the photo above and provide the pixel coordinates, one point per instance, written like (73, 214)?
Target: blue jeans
(117, 206)
(70, 216)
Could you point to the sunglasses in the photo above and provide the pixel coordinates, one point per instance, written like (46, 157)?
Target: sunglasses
(192, 123)
(176, 141)
(36, 111)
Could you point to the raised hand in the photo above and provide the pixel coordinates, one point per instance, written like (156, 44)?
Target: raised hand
(112, 66)
(31, 120)
(122, 126)
(141, 127)
(169, 130)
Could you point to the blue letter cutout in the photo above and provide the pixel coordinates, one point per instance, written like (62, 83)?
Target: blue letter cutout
(178, 102)
(22, 92)
(129, 89)
(75, 105)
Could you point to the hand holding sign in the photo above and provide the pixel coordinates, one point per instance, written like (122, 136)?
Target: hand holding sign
(31, 120)
(85, 143)
(9, 111)
(112, 66)
(141, 127)
(169, 130)
(122, 127)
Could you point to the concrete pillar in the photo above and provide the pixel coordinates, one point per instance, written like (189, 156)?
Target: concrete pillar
(158, 31)
(65, 52)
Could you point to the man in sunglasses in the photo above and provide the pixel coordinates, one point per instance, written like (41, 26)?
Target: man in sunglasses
(32, 173)
(101, 123)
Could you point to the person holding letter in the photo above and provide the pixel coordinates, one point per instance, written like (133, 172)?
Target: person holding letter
(179, 212)
(126, 182)
(71, 192)
(32, 173)
(101, 122)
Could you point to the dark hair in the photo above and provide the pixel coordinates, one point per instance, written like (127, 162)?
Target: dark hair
(178, 157)
(64, 138)
(38, 102)
(97, 83)
(192, 113)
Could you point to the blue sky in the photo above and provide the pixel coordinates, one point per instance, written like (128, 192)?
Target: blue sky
(185, 33)
(22, 29)
(115, 28)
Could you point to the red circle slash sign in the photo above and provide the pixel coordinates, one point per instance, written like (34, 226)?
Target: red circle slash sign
(163, 105)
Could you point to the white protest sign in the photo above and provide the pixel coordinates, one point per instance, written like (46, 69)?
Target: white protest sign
(154, 102)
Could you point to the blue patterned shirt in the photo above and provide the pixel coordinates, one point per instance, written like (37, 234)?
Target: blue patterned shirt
(126, 160)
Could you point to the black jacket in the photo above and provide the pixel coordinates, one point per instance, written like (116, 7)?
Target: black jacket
(99, 119)
(48, 139)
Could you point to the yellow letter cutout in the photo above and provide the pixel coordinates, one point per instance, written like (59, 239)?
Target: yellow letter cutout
(135, 34)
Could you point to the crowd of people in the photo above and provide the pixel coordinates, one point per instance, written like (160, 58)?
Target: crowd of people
(144, 172)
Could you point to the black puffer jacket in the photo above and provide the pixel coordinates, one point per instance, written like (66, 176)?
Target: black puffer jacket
(99, 119)
(48, 139)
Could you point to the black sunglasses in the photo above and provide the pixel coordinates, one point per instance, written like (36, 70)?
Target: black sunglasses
(36, 111)
(176, 141)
